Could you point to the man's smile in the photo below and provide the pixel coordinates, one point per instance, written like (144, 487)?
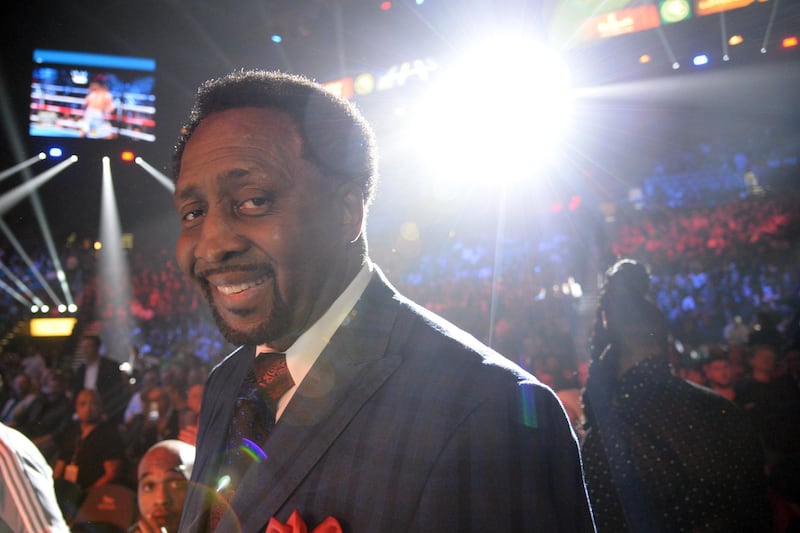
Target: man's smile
(228, 289)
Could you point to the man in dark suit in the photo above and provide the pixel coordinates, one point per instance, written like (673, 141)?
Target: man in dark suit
(101, 374)
(394, 420)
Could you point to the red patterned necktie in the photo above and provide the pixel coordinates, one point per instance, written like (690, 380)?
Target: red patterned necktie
(252, 421)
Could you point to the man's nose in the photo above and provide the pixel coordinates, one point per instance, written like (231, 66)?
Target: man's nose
(218, 238)
(163, 495)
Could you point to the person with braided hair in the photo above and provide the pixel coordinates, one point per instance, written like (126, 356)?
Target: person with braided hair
(660, 453)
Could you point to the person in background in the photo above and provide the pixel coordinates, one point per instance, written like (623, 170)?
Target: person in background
(22, 395)
(102, 374)
(190, 416)
(364, 409)
(718, 374)
(772, 402)
(648, 463)
(92, 451)
(136, 404)
(49, 415)
(27, 497)
(162, 480)
(98, 105)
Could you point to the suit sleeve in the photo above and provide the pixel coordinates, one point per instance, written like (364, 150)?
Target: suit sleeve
(513, 464)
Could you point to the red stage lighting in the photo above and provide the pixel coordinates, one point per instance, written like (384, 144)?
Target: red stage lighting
(386, 6)
(127, 156)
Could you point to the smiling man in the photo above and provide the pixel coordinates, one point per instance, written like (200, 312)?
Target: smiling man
(346, 402)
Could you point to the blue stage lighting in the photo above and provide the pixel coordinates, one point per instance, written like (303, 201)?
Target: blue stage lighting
(700, 60)
(55, 151)
(276, 38)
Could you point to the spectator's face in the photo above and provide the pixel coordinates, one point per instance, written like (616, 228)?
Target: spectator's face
(718, 373)
(264, 234)
(53, 384)
(90, 349)
(22, 384)
(87, 407)
(161, 489)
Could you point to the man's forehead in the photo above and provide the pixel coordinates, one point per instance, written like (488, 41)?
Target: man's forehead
(161, 461)
(245, 138)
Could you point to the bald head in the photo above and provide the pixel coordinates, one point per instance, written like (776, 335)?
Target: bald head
(164, 472)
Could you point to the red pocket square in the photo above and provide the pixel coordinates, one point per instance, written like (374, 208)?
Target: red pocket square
(295, 524)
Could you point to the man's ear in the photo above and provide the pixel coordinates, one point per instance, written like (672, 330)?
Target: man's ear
(353, 210)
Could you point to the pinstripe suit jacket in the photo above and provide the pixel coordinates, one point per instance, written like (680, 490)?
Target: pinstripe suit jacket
(404, 423)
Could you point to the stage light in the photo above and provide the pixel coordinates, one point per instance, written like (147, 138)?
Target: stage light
(644, 58)
(735, 40)
(789, 42)
(726, 57)
(55, 151)
(62, 308)
(386, 6)
(420, 2)
(763, 50)
(52, 327)
(700, 60)
(497, 114)
(277, 39)
(127, 156)
(45, 308)
(98, 245)
(72, 308)
(34, 309)
(676, 65)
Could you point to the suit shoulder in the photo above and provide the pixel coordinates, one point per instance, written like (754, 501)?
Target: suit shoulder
(449, 344)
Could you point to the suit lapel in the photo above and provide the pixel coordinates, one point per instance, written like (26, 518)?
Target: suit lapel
(348, 372)
(214, 429)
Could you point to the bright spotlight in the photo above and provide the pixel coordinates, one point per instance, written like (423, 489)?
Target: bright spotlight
(34, 309)
(127, 156)
(700, 60)
(72, 308)
(498, 113)
(277, 39)
(45, 308)
(62, 308)
(55, 151)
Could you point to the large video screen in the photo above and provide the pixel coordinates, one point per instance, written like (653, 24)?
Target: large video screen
(93, 96)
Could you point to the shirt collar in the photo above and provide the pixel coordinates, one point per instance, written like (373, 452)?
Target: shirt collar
(302, 355)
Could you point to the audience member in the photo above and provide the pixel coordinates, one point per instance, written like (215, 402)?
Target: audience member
(22, 395)
(190, 416)
(773, 404)
(158, 422)
(91, 452)
(718, 374)
(648, 463)
(49, 415)
(27, 498)
(736, 332)
(136, 405)
(162, 479)
(102, 374)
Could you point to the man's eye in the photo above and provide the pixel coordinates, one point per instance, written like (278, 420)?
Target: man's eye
(146, 487)
(194, 214)
(257, 205)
